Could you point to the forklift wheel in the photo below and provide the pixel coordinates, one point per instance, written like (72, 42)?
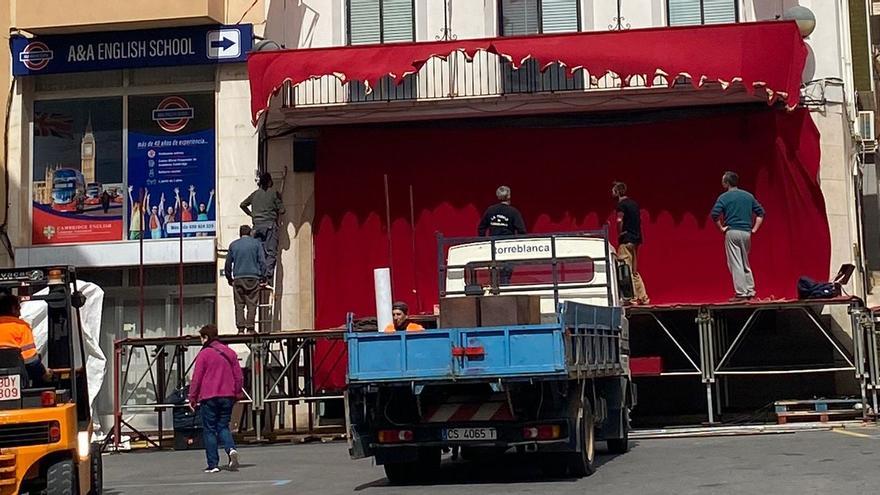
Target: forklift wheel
(61, 478)
(97, 470)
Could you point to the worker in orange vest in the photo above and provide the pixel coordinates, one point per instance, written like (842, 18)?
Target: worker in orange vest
(400, 319)
(15, 332)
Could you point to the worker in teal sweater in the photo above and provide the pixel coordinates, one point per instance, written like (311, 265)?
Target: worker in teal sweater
(738, 215)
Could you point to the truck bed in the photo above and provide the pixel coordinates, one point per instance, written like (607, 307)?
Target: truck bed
(585, 342)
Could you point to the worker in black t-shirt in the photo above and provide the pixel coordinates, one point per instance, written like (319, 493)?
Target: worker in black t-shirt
(629, 228)
(502, 219)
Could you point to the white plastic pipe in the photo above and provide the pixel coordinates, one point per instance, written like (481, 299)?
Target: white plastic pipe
(382, 282)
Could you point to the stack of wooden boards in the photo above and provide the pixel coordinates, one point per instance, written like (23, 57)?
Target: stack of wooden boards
(490, 311)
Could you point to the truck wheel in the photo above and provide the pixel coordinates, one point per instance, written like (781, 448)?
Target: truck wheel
(97, 470)
(422, 469)
(620, 445)
(399, 473)
(582, 463)
(61, 478)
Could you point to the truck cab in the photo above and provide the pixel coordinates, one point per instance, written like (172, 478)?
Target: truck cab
(585, 270)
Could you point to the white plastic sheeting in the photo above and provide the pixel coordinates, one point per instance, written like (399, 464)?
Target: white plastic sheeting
(36, 313)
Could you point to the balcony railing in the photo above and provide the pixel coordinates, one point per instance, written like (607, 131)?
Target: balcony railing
(456, 77)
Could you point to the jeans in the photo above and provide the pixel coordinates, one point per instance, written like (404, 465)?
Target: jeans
(216, 413)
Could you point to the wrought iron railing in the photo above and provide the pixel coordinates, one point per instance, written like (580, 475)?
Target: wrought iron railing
(456, 77)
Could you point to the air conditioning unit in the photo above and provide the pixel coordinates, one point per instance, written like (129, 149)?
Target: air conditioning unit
(866, 130)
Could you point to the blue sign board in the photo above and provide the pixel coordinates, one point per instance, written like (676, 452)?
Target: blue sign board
(131, 49)
(171, 166)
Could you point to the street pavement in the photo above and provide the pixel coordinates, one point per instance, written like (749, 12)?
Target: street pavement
(840, 462)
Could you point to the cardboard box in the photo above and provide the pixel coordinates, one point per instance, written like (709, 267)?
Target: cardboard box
(460, 312)
(509, 310)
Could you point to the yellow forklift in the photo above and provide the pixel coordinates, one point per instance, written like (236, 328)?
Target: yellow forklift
(46, 428)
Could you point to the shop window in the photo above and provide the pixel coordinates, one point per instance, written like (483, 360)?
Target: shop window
(523, 17)
(102, 277)
(380, 21)
(171, 75)
(169, 275)
(77, 158)
(82, 80)
(695, 12)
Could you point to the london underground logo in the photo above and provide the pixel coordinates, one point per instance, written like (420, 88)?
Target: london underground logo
(36, 55)
(173, 114)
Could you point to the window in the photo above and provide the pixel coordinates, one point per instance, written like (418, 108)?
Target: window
(380, 21)
(522, 17)
(692, 12)
(534, 273)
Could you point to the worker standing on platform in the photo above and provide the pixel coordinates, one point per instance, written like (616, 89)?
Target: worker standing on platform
(264, 206)
(245, 269)
(629, 228)
(502, 219)
(738, 215)
(400, 319)
(216, 385)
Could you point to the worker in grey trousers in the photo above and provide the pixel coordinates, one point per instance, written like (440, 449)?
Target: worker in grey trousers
(265, 208)
(739, 216)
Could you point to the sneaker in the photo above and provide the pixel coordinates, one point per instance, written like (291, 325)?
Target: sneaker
(233, 460)
(211, 470)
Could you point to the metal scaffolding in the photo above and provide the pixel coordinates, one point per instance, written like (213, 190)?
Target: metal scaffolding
(277, 371)
(711, 361)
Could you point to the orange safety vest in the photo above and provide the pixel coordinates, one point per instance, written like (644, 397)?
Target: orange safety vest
(410, 327)
(15, 332)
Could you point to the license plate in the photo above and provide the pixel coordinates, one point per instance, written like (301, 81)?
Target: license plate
(10, 388)
(470, 434)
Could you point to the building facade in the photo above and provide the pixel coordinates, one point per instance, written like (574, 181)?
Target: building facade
(107, 118)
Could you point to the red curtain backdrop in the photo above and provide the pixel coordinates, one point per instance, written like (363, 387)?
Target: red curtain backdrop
(769, 54)
(561, 181)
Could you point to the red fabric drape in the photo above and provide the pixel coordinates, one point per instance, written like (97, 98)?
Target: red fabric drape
(561, 180)
(769, 54)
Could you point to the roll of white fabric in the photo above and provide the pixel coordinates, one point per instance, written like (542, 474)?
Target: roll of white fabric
(382, 282)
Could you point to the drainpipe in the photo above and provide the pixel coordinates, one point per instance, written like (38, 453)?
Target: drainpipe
(858, 246)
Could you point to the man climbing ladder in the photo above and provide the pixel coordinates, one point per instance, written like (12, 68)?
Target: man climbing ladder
(265, 208)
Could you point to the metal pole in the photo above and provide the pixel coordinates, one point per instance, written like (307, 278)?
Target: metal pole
(412, 222)
(117, 397)
(141, 268)
(180, 282)
(388, 225)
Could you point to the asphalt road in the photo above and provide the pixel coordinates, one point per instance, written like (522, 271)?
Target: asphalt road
(795, 463)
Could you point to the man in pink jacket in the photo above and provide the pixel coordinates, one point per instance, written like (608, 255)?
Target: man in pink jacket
(216, 385)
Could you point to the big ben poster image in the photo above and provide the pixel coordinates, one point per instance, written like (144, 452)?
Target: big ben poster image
(77, 171)
(171, 166)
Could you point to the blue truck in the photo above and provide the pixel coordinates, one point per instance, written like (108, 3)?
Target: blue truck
(550, 388)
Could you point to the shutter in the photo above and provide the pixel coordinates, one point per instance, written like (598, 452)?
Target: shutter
(397, 21)
(684, 12)
(519, 17)
(559, 16)
(363, 22)
(719, 11)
